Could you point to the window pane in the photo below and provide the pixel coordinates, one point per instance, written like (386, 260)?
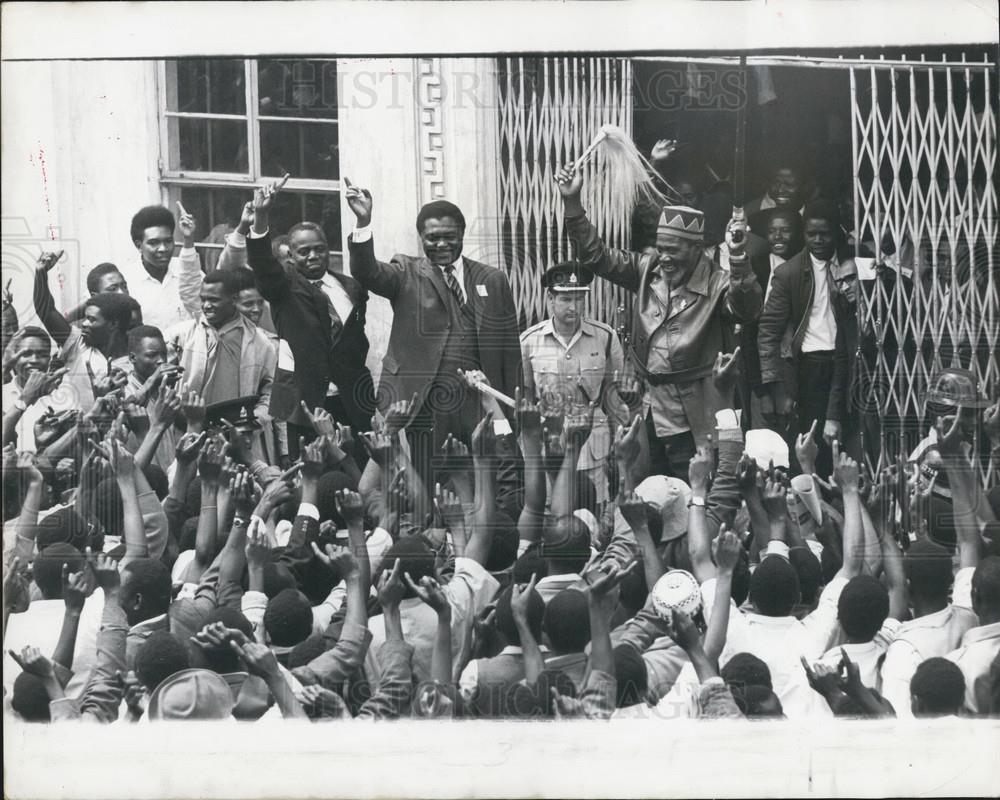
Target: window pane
(207, 86)
(217, 212)
(207, 145)
(302, 149)
(322, 208)
(297, 88)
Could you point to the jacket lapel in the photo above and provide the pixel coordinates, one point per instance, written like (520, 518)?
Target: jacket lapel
(436, 279)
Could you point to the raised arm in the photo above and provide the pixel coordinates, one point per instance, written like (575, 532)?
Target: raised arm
(484, 467)
(618, 266)
(234, 254)
(971, 509)
(520, 596)
(382, 279)
(699, 537)
(45, 306)
(634, 510)
(847, 474)
(190, 277)
(272, 281)
(529, 426)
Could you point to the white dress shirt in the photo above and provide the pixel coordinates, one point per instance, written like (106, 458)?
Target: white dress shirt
(821, 328)
(177, 299)
(359, 235)
(867, 655)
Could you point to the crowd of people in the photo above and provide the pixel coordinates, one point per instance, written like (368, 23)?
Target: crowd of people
(211, 511)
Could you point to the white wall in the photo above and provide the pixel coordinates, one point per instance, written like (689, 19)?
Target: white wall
(80, 150)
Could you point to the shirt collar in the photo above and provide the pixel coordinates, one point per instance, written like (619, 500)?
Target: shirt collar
(698, 282)
(150, 625)
(139, 273)
(549, 328)
(817, 264)
(237, 322)
(982, 633)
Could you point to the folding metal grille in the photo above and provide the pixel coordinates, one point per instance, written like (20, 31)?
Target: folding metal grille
(550, 110)
(925, 200)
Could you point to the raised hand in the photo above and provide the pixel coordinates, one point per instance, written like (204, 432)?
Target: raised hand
(991, 423)
(105, 571)
(344, 438)
(627, 447)
(727, 549)
(634, 509)
(431, 593)
(681, 628)
(216, 634)
(313, 460)
(390, 586)
(258, 548)
(164, 407)
(189, 447)
(527, 416)
(662, 150)
(40, 384)
(629, 387)
(520, 597)
(242, 490)
(725, 371)
(822, 679)
(76, 588)
(746, 475)
(337, 558)
(259, 658)
(846, 472)
(46, 261)
(700, 470)
(320, 420)
(210, 463)
(483, 441)
(774, 499)
(274, 495)
(186, 224)
(120, 459)
(450, 507)
(246, 219)
(359, 200)
(350, 506)
(193, 409)
(239, 446)
(577, 426)
(832, 430)
(949, 435)
(806, 449)
(136, 698)
(28, 467)
(33, 662)
(380, 448)
(264, 197)
(569, 182)
(602, 585)
(400, 414)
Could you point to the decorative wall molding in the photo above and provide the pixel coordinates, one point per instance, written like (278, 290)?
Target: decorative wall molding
(430, 129)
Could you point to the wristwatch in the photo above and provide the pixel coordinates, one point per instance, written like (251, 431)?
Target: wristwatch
(696, 501)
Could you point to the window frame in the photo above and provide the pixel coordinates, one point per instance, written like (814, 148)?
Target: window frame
(172, 179)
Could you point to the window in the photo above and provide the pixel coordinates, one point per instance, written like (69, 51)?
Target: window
(229, 125)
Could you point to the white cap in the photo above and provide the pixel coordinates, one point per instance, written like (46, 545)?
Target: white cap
(676, 589)
(764, 446)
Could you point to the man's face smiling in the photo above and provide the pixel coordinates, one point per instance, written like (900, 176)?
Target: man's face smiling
(32, 355)
(779, 237)
(157, 247)
(442, 241)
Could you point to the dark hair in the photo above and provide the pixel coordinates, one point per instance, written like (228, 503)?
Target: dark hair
(277, 578)
(61, 526)
(986, 584)
(317, 580)
(415, 557)
(150, 217)
(48, 564)
(939, 685)
(243, 278)
(226, 279)
(288, 618)
(505, 617)
(34, 332)
(774, 587)
(306, 225)
(30, 698)
(757, 701)
(830, 563)
(305, 651)
(115, 308)
(862, 607)
(746, 669)
(98, 272)
(439, 209)
(630, 675)
(159, 657)
(189, 534)
(810, 573)
(150, 578)
(567, 621)
(741, 578)
(529, 563)
(566, 541)
(527, 702)
(327, 486)
(633, 591)
(928, 568)
(503, 547)
(140, 332)
(823, 209)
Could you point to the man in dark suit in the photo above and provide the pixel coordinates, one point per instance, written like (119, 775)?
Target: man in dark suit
(320, 319)
(803, 322)
(449, 313)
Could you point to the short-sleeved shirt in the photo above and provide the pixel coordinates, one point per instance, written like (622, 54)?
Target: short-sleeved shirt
(554, 366)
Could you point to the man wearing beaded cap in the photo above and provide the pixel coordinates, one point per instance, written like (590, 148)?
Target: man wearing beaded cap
(683, 309)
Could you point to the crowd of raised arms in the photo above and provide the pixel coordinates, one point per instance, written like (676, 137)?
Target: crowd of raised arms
(212, 510)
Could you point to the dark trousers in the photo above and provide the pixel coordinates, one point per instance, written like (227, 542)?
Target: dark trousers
(815, 380)
(669, 455)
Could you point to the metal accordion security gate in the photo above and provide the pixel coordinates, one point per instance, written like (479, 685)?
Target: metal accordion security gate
(925, 202)
(550, 109)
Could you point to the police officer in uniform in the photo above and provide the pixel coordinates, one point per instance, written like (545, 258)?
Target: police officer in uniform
(571, 360)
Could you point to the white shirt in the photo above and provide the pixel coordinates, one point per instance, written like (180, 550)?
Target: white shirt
(926, 637)
(469, 591)
(175, 300)
(61, 399)
(867, 655)
(974, 657)
(821, 328)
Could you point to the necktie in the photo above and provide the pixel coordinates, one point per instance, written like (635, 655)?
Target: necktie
(336, 323)
(452, 281)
